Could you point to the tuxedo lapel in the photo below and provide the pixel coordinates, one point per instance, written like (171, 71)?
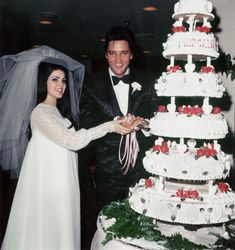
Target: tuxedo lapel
(131, 100)
(134, 97)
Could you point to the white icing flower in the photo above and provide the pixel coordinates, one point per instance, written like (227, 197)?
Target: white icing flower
(181, 148)
(191, 143)
(136, 86)
(171, 108)
(159, 141)
(226, 236)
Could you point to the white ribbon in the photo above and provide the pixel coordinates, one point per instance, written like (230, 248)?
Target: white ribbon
(130, 152)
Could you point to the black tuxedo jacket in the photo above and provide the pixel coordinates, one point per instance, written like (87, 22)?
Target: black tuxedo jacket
(99, 104)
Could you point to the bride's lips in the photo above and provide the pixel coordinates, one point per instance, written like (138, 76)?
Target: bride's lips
(59, 90)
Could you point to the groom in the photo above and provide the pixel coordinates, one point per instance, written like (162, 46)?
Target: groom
(116, 91)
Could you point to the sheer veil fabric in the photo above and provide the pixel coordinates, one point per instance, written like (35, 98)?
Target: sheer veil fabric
(18, 94)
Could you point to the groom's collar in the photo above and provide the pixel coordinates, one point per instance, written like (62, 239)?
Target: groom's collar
(112, 74)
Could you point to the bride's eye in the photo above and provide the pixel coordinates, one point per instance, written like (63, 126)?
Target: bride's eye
(54, 79)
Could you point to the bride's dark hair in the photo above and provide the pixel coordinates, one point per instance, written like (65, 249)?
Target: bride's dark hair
(64, 103)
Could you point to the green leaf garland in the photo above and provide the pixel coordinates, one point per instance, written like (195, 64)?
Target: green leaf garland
(128, 223)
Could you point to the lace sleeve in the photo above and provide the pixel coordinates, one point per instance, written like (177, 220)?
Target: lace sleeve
(53, 128)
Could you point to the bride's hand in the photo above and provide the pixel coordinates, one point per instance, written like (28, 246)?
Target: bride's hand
(121, 127)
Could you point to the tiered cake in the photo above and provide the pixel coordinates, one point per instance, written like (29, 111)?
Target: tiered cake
(187, 161)
(186, 194)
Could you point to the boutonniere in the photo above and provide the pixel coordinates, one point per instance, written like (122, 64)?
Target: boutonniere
(135, 86)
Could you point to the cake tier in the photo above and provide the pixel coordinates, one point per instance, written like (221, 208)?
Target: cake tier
(198, 8)
(206, 236)
(198, 44)
(211, 126)
(187, 166)
(190, 84)
(170, 202)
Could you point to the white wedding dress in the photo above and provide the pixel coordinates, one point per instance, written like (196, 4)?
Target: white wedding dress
(45, 213)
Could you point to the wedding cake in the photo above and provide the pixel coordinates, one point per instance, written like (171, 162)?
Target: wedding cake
(187, 164)
(187, 161)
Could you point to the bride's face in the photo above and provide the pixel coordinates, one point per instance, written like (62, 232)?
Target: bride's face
(56, 85)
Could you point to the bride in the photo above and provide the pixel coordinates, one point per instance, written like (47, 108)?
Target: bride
(45, 213)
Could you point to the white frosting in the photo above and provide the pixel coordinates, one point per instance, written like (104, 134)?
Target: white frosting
(189, 7)
(180, 125)
(164, 205)
(185, 166)
(199, 44)
(190, 84)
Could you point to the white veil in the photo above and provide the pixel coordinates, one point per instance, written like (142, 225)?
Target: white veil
(18, 94)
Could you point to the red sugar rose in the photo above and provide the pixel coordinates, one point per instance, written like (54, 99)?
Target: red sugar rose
(180, 109)
(207, 69)
(161, 108)
(161, 148)
(173, 69)
(216, 110)
(213, 152)
(200, 152)
(164, 148)
(223, 187)
(203, 29)
(157, 148)
(178, 29)
(208, 152)
(199, 110)
(193, 111)
(186, 110)
(148, 183)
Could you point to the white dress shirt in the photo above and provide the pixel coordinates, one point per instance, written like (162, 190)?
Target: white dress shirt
(122, 92)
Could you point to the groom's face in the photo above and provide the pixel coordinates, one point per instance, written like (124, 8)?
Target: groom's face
(119, 55)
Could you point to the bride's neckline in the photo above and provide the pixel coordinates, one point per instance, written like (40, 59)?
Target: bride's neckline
(48, 105)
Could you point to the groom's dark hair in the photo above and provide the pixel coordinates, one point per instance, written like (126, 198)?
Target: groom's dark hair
(119, 33)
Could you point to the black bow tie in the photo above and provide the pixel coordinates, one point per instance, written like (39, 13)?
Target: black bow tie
(125, 79)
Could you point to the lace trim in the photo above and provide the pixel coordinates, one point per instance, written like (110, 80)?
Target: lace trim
(52, 125)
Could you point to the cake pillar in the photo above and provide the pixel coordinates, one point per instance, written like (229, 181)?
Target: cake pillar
(208, 61)
(207, 108)
(189, 66)
(172, 62)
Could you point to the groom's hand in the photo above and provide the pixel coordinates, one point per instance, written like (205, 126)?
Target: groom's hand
(133, 122)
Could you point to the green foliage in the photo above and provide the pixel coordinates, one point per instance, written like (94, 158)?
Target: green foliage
(233, 72)
(223, 243)
(131, 224)
(224, 64)
(128, 223)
